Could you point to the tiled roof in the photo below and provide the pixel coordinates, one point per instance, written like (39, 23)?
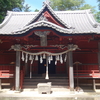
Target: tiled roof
(82, 20)
(15, 21)
(79, 22)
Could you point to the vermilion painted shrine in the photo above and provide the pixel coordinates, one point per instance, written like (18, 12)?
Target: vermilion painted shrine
(50, 43)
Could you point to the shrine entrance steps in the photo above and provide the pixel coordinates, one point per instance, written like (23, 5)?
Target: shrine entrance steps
(57, 81)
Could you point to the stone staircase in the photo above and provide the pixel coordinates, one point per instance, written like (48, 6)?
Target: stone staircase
(58, 82)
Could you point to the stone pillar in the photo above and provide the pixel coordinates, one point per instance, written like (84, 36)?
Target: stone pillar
(71, 72)
(17, 71)
(99, 55)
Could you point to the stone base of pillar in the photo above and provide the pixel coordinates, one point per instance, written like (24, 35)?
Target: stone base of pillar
(71, 89)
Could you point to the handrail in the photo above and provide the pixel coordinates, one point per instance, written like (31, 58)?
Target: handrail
(87, 73)
(6, 73)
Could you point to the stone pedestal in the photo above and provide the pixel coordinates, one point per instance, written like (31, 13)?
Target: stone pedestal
(44, 88)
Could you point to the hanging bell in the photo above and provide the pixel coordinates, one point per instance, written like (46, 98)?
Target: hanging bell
(36, 58)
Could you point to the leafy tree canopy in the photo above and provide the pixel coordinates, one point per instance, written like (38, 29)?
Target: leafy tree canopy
(15, 5)
(67, 4)
(36, 10)
(26, 8)
(97, 15)
(87, 6)
(98, 4)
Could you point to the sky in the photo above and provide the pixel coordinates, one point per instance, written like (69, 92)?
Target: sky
(37, 4)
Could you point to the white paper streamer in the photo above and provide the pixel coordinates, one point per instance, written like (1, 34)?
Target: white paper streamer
(65, 58)
(56, 62)
(44, 56)
(26, 59)
(32, 59)
(23, 56)
(61, 60)
(41, 60)
(57, 57)
(51, 57)
(36, 58)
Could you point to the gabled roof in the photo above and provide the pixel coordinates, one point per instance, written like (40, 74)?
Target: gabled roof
(45, 8)
(74, 22)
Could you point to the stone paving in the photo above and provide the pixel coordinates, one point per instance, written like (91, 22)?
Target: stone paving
(7, 94)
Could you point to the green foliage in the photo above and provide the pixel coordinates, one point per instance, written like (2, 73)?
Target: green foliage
(98, 4)
(97, 16)
(70, 5)
(87, 6)
(36, 10)
(15, 5)
(66, 4)
(26, 8)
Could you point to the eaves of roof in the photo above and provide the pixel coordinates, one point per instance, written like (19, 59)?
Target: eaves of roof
(43, 24)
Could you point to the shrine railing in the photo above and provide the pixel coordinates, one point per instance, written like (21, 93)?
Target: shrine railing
(7, 71)
(87, 73)
(6, 74)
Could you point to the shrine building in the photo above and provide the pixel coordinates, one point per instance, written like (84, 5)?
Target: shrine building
(48, 44)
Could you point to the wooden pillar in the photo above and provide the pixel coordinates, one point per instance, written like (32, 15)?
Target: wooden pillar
(99, 55)
(67, 67)
(17, 72)
(26, 69)
(71, 72)
(94, 87)
(0, 84)
(30, 70)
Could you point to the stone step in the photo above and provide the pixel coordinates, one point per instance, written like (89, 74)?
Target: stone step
(35, 83)
(44, 80)
(35, 87)
(53, 84)
(57, 81)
